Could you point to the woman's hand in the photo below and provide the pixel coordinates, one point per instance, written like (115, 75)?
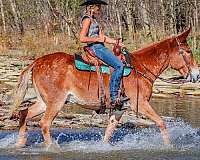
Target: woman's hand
(119, 43)
(102, 37)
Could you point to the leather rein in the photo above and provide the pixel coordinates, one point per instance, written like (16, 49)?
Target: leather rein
(170, 80)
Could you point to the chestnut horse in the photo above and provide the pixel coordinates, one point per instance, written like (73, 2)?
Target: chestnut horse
(56, 80)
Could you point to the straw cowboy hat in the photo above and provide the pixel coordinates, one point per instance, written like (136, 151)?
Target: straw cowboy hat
(91, 2)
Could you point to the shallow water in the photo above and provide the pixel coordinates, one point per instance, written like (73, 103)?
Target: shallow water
(126, 143)
(187, 108)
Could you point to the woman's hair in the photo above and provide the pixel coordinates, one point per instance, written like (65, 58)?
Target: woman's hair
(88, 10)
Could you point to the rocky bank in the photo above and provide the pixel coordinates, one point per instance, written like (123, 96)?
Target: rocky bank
(75, 116)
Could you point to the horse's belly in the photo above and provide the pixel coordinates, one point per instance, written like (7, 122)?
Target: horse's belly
(85, 87)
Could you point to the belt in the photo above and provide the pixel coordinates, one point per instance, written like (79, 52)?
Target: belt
(91, 44)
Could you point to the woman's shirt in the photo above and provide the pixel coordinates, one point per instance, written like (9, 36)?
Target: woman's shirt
(94, 27)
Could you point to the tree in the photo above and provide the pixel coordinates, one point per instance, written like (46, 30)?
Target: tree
(3, 16)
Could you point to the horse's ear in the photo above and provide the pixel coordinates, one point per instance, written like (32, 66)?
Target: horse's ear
(183, 36)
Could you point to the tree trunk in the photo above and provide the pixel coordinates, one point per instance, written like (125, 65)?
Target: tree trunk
(16, 15)
(3, 16)
(128, 10)
(196, 22)
(145, 17)
(119, 23)
(163, 14)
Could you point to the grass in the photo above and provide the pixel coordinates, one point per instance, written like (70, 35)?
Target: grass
(37, 43)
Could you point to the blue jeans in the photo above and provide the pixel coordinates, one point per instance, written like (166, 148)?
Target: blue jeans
(110, 59)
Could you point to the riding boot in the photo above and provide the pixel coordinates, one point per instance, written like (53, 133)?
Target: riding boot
(115, 109)
(124, 98)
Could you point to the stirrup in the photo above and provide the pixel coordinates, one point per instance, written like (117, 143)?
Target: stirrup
(116, 110)
(124, 99)
(121, 100)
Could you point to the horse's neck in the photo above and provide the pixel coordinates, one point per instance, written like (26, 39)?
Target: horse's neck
(151, 62)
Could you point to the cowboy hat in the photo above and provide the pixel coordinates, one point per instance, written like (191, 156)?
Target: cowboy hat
(91, 2)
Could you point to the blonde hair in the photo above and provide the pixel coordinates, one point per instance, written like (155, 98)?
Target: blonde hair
(88, 11)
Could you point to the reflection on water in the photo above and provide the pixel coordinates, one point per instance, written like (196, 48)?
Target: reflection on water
(187, 108)
(126, 143)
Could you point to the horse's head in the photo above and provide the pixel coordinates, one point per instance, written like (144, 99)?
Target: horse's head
(181, 57)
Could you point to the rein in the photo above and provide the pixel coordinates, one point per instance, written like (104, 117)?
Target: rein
(170, 80)
(181, 52)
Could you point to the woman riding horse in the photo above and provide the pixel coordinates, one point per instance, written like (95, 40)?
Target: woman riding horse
(57, 81)
(92, 34)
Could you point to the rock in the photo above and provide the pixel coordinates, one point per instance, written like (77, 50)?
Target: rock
(131, 118)
(2, 104)
(66, 116)
(75, 116)
(194, 93)
(161, 95)
(190, 86)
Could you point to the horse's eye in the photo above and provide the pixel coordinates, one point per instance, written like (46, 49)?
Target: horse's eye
(189, 51)
(181, 51)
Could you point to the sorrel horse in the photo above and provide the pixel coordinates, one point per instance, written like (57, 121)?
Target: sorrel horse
(56, 80)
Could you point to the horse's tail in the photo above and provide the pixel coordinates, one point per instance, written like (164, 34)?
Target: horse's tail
(22, 86)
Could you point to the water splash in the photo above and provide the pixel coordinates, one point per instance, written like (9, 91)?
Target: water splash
(182, 136)
(7, 139)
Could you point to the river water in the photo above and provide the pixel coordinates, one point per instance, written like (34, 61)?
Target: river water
(183, 123)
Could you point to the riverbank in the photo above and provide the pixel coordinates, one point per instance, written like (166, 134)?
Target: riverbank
(10, 68)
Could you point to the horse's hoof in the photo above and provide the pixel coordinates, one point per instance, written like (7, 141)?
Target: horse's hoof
(19, 145)
(169, 146)
(53, 148)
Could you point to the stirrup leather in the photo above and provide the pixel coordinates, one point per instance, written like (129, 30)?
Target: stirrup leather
(92, 59)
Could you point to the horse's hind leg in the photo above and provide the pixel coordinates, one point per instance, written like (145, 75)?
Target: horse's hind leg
(52, 110)
(147, 110)
(25, 115)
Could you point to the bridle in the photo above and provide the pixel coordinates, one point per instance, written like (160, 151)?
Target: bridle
(171, 81)
(182, 53)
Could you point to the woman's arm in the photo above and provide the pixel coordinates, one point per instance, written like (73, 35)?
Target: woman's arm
(112, 41)
(109, 40)
(84, 31)
(102, 38)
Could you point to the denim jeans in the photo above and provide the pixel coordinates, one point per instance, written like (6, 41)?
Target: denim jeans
(110, 59)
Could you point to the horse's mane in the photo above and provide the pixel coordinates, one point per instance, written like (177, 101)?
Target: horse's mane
(151, 47)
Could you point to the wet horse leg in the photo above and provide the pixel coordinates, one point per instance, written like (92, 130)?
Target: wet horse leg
(147, 110)
(52, 110)
(26, 115)
(22, 129)
(112, 124)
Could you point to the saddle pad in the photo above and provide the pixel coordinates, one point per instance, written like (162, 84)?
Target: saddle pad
(82, 66)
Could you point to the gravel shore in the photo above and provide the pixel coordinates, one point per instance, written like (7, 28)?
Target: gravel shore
(75, 116)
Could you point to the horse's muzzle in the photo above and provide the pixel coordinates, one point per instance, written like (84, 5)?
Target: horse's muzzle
(194, 76)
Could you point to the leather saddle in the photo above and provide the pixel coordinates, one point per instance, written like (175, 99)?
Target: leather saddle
(91, 63)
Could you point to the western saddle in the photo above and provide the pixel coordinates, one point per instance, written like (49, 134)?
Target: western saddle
(91, 59)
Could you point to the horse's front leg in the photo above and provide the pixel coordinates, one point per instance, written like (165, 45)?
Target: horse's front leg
(112, 124)
(146, 109)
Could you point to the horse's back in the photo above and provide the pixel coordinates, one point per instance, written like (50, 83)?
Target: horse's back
(53, 62)
(52, 66)
(57, 56)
